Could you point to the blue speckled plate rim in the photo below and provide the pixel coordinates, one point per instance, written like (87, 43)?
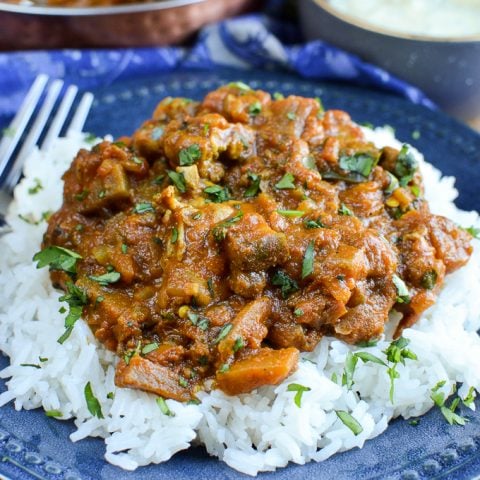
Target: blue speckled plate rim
(459, 456)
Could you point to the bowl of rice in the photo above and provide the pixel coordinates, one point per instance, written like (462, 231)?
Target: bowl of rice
(434, 45)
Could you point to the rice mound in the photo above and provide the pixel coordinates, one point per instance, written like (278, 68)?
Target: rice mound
(254, 432)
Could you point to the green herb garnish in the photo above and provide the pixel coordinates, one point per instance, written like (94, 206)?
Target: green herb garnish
(106, 278)
(36, 187)
(254, 188)
(143, 207)
(178, 180)
(174, 237)
(57, 258)
(403, 295)
(93, 404)
(189, 155)
(300, 389)
(405, 166)
(307, 264)
(288, 285)
(217, 194)
(239, 344)
(429, 279)
(149, 348)
(286, 182)
(219, 232)
(76, 298)
(255, 108)
(349, 421)
(291, 213)
(360, 163)
(344, 210)
(223, 332)
(162, 404)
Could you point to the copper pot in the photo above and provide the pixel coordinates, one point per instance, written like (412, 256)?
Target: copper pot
(130, 25)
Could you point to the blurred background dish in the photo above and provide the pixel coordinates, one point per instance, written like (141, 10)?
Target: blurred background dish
(447, 69)
(148, 23)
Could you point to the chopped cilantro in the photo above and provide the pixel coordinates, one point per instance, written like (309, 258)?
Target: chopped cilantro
(93, 404)
(57, 258)
(344, 210)
(124, 248)
(36, 187)
(403, 295)
(255, 108)
(178, 180)
(291, 115)
(239, 344)
(349, 369)
(143, 207)
(311, 224)
(217, 194)
(405, 166)
(174, 237)
(162, 404)
(298, 312)
(288, 285)
(429, 279)
(189, 155)
(286, 182)
(300, 389)
(220, 230)
(349, 421)
(53, 413)
(361, 163)
(307, 264)
(106, 278)
(254, 187)
(223, 332)
(149, 348)
(76, 298)
(278, 96)
(291, 213)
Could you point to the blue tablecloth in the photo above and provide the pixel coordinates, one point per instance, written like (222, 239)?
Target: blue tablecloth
(251, 41)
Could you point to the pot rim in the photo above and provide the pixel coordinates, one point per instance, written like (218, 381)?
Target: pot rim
(37, 10)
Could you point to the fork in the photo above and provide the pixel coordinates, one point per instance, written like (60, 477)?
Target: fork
(16, 138)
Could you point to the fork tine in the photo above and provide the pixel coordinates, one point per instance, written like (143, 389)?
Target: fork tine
(81, 113)
(8, 144)
(60, 117)
(35, 131)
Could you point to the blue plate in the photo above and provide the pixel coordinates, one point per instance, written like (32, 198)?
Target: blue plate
(33, 446)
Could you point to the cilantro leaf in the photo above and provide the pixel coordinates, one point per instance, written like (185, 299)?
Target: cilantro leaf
(349, 421)
(403, 295)
(286, 182)
(217, 194)
(307, 264)
(106, 278)
(178, 180)
(57, 258)
(288, 285)
(300, 389)
(93, 404)
(189, 155)
(254, 188)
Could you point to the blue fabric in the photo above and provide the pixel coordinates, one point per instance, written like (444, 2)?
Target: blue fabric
(251, 41)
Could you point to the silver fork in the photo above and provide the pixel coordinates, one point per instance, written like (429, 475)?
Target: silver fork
(11, 166)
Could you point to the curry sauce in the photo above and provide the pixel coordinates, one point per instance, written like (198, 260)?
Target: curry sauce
(225, 237)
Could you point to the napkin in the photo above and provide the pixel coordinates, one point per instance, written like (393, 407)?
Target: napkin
(251, 41)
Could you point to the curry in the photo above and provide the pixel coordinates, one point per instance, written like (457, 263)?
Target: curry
(225, 237)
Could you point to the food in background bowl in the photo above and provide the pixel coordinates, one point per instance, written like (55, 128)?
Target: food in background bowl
(445, 67)
(210, 249)
(440, 18)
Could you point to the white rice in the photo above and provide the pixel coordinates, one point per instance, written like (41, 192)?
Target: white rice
(254, 432)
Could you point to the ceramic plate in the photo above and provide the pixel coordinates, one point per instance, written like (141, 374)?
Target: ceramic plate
(33, 446)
